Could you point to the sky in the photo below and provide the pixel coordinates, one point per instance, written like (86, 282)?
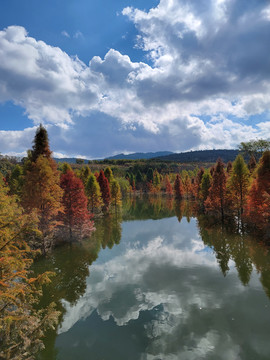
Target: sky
(107, 77)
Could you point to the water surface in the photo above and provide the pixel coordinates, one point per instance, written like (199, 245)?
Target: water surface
(158, 283)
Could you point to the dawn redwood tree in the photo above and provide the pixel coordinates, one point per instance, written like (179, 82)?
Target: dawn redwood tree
(21, 324)
(178, 188)
(42, 194)
(238, 183)
(109, 174)
(115, 193)
(41, 191)
(93, 193)
(205, 186)
(168, 186)
(217, 192)
(75, 216)
(105, 189)
(41, 144)
(252, 164)
(258, 209)
(84, 174)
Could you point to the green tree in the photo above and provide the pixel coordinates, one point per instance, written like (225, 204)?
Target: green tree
(115, 193)
(238, 183)
(16, 180)
(93, 193)
(109, 174)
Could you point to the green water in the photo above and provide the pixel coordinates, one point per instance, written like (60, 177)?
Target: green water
(155, 282)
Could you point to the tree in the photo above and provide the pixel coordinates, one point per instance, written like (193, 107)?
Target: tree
(84, 174)
(43, 194)
(217, 192)
(252, 164)
(168, 186)
(93, 193)
(16, 181)
(79, 161)
(150, 175)
(254, 147)
(75, 216)
(65, 168)
(105, 190)
(178, 188)
(258, 209)
(115, 193)
(238, 183)
(41, 144)
(21, 325)
(109, 174)
(205, 186)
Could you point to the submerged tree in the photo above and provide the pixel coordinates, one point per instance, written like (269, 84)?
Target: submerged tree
(115, 193)
(75, 216)
(258, 209)
(105, 190)
(217, 192)
(21, 324)
(93, 193)
(238, 183)
(178, 188)
(42, 192)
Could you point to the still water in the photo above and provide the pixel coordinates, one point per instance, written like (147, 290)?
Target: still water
(156, 282)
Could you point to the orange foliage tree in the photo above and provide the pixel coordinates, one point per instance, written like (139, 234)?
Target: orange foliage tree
(217, 193)
(257, 208)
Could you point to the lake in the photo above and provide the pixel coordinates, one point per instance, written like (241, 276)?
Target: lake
(156, 282)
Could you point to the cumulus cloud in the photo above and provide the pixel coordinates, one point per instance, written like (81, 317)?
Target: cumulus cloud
(206, 60)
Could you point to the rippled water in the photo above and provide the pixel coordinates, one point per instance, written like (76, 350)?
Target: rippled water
(159, 283)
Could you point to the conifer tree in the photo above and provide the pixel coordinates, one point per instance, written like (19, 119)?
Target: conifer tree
(178, 188)
(168, 186)
(75, 216)
(217, 192)
(84, 174)
(41, 144)
(105, 190)
(42, 192)
(257, 209)
(16, 181)
(205, 186)
(21, 324)
(93, 193)
(238, 183)
(109, 174)
(115, 193)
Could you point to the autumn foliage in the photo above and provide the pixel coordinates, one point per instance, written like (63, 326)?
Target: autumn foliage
(74, 216)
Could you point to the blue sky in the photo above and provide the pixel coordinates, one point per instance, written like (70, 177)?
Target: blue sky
(106, 77)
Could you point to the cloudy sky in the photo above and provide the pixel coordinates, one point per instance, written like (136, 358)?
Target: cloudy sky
(134, 75)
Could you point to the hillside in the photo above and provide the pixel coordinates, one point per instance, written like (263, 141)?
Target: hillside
(201, 155)
(138, 155)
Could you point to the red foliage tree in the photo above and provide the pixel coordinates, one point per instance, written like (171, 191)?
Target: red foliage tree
(105, 189)
(217, 192)
(75, 216)
(178, 188)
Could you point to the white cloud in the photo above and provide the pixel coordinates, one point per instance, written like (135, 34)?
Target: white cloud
(65, 33)
(206, 59)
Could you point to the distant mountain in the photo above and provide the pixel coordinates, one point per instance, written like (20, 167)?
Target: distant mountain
(68, 160)
(135, 156)
(201, 155)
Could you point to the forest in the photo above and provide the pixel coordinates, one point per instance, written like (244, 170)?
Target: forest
(44, 204)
